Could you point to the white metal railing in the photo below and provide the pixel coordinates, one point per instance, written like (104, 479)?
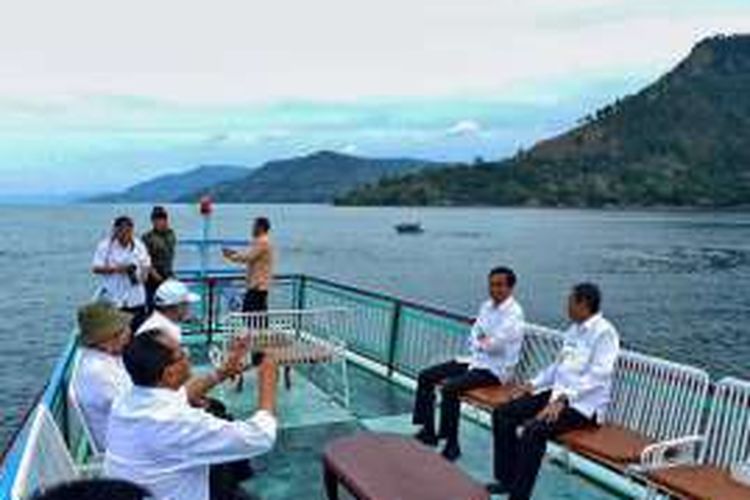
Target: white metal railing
(540, 348)
(46, 460)
(655, 397)
(307, 337)
(727, 436)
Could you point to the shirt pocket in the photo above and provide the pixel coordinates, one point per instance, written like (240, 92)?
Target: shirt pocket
(574, 357)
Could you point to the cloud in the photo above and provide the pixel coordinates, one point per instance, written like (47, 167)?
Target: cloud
(350, 149)
(464, 128)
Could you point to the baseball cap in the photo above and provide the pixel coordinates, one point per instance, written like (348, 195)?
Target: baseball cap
(173, 292)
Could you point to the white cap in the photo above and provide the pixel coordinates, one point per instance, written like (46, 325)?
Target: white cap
(174, 293)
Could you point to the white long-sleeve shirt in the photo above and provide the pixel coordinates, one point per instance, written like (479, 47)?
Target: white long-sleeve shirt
(100, 378)
(117, 288)
(583, 369)
(501, 326)
(157, 321)
(157, 440)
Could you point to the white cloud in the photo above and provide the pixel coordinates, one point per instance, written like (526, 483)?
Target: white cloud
(464, 128)
(350, 149)
(340, 49)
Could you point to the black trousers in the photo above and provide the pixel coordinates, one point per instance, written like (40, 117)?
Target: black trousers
(140, 314)
(255, 301)
(517, 459)
(151, 286)
(456, 378)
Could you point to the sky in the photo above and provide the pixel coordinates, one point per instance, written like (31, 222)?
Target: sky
(95, 96)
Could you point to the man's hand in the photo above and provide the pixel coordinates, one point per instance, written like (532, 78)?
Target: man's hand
(236, 359)
(484, 341)
(228, 253)
(552, 411)
(521, 390)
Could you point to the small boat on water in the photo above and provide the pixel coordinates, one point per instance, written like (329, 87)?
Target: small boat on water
(409, 228)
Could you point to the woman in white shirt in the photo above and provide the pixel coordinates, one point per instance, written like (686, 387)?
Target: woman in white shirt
(123, 263)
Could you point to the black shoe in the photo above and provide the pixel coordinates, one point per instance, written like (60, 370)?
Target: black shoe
(451, 452)
(497, 489)
(426, 437)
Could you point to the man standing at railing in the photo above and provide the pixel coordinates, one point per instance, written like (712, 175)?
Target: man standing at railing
(160, 242)
(494, 343)
(571, 393)
(259, 259)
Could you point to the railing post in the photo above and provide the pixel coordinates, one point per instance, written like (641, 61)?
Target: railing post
(394, 336)
(210, 310)
(300, 295)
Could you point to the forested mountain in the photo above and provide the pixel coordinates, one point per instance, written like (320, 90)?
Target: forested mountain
(682, 141)
(316, 178)
(170, 188)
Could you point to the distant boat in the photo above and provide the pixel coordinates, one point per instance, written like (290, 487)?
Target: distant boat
(409, 228)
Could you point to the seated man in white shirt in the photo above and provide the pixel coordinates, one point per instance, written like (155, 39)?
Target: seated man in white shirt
(494, 343)
(157, 440)
(172, 302)
(100, 376)
(571, 393)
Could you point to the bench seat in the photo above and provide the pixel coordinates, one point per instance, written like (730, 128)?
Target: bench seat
(612, 444)
(700, 483)
(488, 398)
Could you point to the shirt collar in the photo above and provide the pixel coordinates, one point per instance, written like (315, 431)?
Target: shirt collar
(98, 353)
(162, 394)
(502, 306)
(589, 323)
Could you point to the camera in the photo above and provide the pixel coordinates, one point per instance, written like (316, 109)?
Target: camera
(132, 272)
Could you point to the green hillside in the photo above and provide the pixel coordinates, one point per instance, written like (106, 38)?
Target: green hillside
(682, 141)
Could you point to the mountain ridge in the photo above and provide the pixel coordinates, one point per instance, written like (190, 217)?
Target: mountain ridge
(315, 178)
(170, 187)
(684, 140)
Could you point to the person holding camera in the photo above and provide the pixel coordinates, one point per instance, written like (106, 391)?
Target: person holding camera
(159, 441)
(123, 264)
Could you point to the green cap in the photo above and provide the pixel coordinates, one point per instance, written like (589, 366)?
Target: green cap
(99, 322)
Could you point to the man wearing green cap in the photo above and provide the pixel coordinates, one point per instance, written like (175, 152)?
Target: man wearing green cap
(104, 332)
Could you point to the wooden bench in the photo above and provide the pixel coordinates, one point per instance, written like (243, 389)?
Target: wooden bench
(389, 467)
(699, 467)
(652, 400)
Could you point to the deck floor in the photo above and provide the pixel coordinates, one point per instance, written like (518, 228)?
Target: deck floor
(310, 418)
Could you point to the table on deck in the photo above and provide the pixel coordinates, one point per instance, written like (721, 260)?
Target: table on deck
(388, 467)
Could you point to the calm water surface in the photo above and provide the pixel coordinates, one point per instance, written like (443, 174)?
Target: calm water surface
(676, 284)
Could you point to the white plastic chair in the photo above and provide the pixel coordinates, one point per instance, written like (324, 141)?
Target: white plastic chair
(45, 461)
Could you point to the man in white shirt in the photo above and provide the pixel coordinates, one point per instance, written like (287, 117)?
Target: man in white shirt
(571, 393)
(100, 375)
(172, 302)
(157, 440)
(494, 344)
(123, 263)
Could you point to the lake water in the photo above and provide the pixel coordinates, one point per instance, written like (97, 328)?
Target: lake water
(676, 284)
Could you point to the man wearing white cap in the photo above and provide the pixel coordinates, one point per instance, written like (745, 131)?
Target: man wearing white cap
(172, 305)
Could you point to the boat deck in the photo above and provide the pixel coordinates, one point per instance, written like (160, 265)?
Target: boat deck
(310, 418)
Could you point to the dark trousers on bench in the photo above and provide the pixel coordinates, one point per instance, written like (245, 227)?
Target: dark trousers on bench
(455, 378)
(517, 459)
